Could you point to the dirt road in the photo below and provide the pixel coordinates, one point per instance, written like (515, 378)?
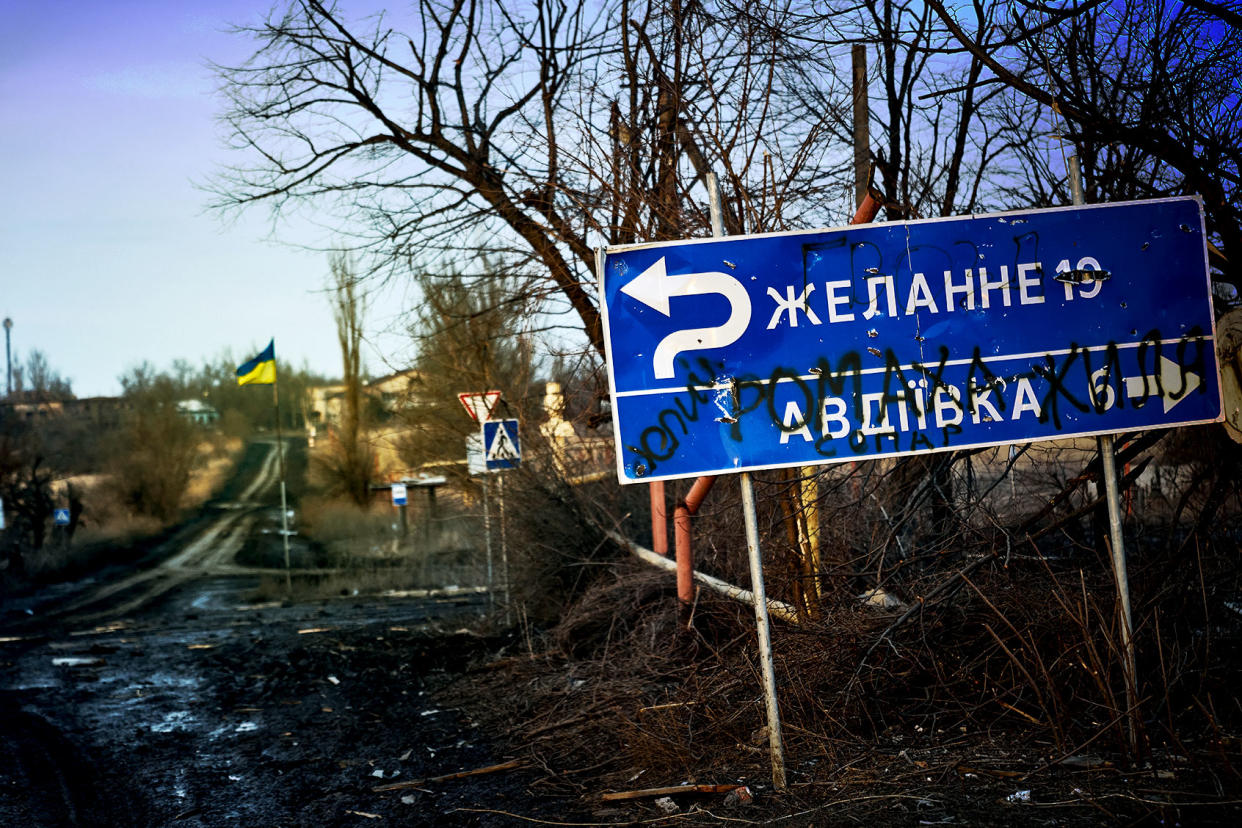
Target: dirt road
(164, 696)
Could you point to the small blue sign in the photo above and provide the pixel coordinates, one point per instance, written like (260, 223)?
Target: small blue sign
(399, 493)
(60, 517)
(501, 446)
(898, 338)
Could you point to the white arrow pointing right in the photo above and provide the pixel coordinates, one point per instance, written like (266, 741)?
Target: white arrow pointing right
(1171, 379)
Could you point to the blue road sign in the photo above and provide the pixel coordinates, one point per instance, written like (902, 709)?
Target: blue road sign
(399, 494)
(888, 339)
(501, 446)
(60, 517)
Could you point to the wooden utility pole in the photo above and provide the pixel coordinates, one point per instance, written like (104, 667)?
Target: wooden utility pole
(862, 133)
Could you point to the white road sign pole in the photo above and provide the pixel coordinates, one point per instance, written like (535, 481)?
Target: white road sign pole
(504, 549)
(487, 532)
(755, 554)
(1108, 470)
(284, 501)
(767, 673)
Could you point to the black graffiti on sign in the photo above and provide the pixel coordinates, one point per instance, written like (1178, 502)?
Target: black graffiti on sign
(917, 389)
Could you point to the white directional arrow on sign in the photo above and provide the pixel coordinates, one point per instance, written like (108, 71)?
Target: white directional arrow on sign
(1171, 379)
(654, 287)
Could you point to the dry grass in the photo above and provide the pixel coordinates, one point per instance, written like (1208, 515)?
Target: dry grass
(1003, 655)
(365, 551)
(215, 462)
(109, 531)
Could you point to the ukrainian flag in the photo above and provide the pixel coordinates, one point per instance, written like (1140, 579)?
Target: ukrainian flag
(261, 370)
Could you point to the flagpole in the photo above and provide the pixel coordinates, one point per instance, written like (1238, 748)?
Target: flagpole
(284, 508)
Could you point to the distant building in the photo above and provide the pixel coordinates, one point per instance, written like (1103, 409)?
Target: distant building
(391, 393)
(198, 412)
(325, 404)
(395, 391)
(103, 411)
(32, 410)
(577, 454)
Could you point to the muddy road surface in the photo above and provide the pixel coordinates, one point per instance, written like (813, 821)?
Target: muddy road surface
(162, 693)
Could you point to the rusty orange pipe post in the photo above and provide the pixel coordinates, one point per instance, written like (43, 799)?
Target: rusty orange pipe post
(659, 519)
(866, 213)
(682, 538)
(870, 207)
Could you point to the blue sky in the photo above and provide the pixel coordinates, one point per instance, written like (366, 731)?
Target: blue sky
(108, 255)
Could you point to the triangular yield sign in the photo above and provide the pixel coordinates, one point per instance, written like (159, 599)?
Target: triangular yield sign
(502, 447)
(479, 404)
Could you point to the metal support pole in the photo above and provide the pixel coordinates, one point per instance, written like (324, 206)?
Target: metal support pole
(685, 562)
(808, 528)
(8, 356)
(767, 668)
(1121, 579)
(862, 130)
(432, 518)
(659, 518)
(1117, 549)
(487, 532)
(284, 505)
(504, 548)
(683, 540)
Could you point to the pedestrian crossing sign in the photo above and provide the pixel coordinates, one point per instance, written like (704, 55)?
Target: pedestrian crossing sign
(503, 449)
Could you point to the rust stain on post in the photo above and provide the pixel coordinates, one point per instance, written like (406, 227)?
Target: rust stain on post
(659, 519)
(683, 538)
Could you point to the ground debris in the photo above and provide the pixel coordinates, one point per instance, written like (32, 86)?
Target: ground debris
(414, 783)
(667, 791)
(964, 769)
(667, 805)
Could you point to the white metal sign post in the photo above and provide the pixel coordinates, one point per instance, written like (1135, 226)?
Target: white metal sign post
(1121, 580)
(496, 447)
(754, 554)
(502, 449)
(399, 500)
(476, 465)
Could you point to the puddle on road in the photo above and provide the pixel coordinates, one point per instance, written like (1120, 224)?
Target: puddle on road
(178, 720)
(146, 687)
(77, 661)
(230, 730)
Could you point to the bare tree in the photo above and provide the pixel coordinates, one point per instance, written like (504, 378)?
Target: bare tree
(472, 334)
(352, 459)
(156, 448)
(536, 131)
(413, 138)
(25, 492)
(1149, 94)
(36, 381)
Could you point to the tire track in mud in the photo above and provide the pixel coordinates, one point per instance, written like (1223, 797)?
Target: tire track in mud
(210, 553)
(58, 783)
(203, 710)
